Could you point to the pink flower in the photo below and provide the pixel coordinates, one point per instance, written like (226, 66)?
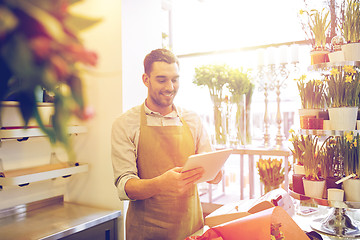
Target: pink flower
(41, 47)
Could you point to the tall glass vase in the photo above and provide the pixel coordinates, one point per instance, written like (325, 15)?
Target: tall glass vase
(220, 128)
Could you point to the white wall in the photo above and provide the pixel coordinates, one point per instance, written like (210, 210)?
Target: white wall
(141, 33)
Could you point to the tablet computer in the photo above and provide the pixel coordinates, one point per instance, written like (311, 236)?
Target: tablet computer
(212, 162)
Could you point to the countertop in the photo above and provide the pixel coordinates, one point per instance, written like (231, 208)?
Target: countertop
(53, 221)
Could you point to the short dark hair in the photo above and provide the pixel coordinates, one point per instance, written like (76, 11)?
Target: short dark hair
(159, 55)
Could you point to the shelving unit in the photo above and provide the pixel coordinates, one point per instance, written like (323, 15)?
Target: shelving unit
(25, 176)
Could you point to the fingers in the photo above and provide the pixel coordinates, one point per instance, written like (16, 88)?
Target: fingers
(192, 175)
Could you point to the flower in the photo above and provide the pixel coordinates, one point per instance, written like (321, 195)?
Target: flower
(40, 49)
(270, 171)
(312, 92)
(315, 25)
(349, 152)
(343, 87)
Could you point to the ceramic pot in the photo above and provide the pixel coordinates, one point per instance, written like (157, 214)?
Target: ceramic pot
(298, 185)
(314, 189)
(352, 190)
(343, 118)
(318, 57)
(351, 51)
(337, 56)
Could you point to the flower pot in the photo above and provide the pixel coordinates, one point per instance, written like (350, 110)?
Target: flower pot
(318, 57)
(343, 118)
(337, 56)
(351, 51)
(335, 194)
(298, 185)
(352, 190)
(330, 182)
(313, 188)
(11, 117)
(299, 169)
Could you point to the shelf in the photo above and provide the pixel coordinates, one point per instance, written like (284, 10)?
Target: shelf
(322, 66)
(325, 202)
(34, 132)
(40, 173)
(324, 133)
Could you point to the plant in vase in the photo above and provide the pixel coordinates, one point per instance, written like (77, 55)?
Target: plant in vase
(350, 27)
(349, 151)
(271, 173)
(40, 48)
(240, 85)
(214, 77)
(343, 88)
(312, 95)
(316, 25)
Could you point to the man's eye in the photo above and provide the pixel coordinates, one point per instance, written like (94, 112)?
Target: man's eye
(175, 80)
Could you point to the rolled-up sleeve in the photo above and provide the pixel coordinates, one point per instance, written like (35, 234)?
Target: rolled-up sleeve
(124, 153)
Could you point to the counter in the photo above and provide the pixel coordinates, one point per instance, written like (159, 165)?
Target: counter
(55, 219)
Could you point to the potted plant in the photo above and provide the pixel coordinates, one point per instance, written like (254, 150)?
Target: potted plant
(329, 162)
(349, 150)
(40, 50)
(350, 27)
(298, 162)
(316, 28)
(343, 90)
(241, 89)
(314, 184)
(214, 77)
(312, 95)
(336, 54)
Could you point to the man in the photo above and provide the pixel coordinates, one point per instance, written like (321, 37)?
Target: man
(150, 144)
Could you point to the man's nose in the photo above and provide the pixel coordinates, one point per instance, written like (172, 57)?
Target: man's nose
(169, 86)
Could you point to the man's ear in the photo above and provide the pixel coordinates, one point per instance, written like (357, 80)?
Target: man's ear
(146, 79)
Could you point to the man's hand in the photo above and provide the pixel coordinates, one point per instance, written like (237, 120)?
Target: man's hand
(177, 182)
(217, 179)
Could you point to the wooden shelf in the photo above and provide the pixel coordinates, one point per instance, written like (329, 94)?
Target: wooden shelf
(324, 133)
(34, 132)
(39, 173)
(322, 66)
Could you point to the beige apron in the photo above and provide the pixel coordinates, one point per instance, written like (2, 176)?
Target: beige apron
(163, 216)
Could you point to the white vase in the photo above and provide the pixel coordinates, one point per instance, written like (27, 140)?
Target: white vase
(314, 189)
(352, 190)
(343, 118)
(351, 51)
(337, 56)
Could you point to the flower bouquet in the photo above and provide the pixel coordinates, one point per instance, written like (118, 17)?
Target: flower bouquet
(271, 173)
(40, 51)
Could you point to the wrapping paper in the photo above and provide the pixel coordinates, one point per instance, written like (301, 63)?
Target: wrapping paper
(255, 227)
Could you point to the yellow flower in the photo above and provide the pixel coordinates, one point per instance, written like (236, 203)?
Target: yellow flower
(349, 69)
(291, 131)
(301, 12)
(348, 79)
(334, 72)
(349, 137)
(355, 143)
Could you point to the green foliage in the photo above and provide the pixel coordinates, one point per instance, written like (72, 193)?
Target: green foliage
(312, 93)
(349, 151)
(318, 24)
(351, 21)
(343, 87)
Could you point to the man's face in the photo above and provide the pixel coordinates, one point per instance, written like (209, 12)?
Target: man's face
(162, 84)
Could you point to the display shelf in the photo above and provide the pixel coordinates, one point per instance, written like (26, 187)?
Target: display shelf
(324, 66)
(34, 174)
(325, 133)
(34, 132)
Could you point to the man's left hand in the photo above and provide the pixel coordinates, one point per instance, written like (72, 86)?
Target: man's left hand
(217, 179)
